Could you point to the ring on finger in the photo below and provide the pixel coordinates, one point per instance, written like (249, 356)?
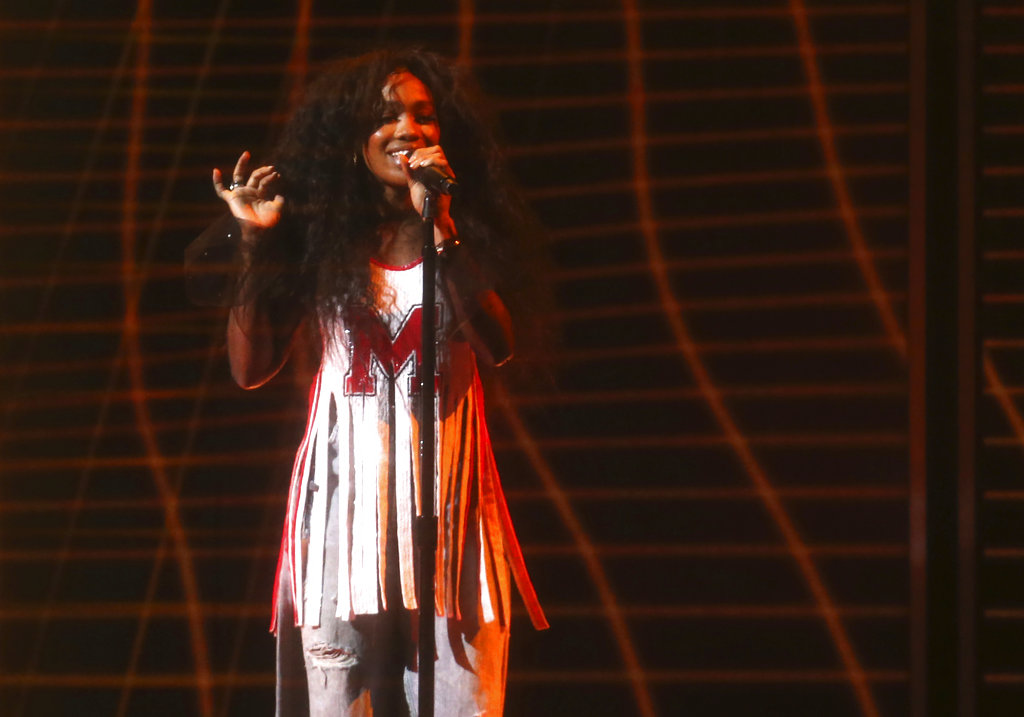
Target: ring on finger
(235, 185)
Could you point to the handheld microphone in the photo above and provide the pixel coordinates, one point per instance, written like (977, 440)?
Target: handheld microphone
(436, 179)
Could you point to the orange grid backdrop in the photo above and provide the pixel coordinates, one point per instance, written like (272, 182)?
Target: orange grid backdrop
(713, 499)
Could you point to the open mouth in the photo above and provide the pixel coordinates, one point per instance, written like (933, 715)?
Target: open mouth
(396, 155)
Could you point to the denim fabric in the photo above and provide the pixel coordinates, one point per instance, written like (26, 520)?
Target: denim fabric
(367, 666)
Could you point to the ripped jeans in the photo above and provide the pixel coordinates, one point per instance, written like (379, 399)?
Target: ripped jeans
(366, 666)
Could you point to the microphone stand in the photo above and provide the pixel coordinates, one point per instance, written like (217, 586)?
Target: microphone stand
(427, 523)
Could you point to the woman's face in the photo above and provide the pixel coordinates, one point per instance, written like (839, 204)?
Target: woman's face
(409, 122)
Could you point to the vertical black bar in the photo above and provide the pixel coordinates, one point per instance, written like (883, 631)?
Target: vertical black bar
(943, 357)
(969, 377)
(918, 364)
(941, 354)
(426, 534)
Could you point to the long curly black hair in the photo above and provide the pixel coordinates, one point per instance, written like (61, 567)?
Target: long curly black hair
(334, 206)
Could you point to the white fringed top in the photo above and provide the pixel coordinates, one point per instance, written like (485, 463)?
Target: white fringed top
(371, 362)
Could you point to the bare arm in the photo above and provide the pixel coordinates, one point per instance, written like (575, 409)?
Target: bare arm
(479, 312)
(259, 333)
(259, 337)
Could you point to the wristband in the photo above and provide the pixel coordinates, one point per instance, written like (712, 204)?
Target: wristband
(447, 247)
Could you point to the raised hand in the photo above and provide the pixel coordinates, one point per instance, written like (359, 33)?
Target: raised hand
(252, 198)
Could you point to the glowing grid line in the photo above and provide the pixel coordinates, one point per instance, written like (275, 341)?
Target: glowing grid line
(132, 285)
(734, 435)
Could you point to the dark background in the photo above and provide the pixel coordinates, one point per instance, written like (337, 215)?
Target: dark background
(713, 497)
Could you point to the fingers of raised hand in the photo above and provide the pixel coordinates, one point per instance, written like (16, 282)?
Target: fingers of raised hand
(218, 183)
(277, 203)
(261, 179)
(237, 177)
(225, 193)
(266, 185)
(241, 169)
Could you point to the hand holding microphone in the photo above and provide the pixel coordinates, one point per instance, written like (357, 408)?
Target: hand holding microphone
(436, 177)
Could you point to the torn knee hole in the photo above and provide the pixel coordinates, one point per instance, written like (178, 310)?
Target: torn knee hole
(327, 656)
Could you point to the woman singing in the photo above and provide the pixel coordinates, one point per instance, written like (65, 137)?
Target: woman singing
(331, 236)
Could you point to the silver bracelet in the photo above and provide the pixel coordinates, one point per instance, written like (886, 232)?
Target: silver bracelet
(447, 247)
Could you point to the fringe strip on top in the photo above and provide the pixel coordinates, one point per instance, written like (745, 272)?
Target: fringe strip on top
(465, 463)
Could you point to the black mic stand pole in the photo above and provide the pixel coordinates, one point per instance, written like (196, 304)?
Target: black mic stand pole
(426, 523)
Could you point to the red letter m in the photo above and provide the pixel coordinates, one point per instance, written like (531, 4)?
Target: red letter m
(369, 338)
